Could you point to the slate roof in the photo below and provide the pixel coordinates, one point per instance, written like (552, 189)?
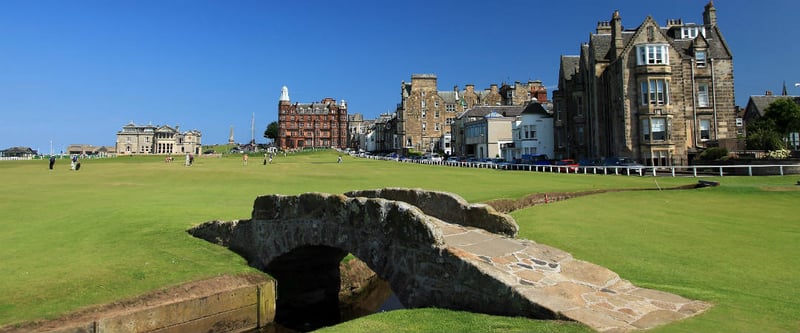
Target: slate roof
(482, 110)
(569, 66)
(600, 44)
(535, 108)
(758, 104)
(449, 97)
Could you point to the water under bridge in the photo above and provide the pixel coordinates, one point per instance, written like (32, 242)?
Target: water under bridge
(435, 250)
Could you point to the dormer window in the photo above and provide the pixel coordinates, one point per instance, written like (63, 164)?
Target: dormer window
(692, 32)
(652, 54)
(700, 58)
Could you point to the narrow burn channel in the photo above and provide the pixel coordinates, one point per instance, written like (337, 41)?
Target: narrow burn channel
(314, 292)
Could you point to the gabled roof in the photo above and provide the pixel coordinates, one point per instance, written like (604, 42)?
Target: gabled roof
(449, 97)
(535, 108)
(569, 66)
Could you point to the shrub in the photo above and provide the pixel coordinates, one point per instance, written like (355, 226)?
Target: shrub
(713, 153)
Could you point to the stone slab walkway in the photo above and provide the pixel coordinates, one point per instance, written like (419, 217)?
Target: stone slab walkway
(575, 289)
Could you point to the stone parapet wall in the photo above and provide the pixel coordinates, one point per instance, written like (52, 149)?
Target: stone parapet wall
(223, 304)
(447, 207)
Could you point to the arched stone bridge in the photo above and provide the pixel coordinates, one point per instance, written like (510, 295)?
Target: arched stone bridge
(436, 250)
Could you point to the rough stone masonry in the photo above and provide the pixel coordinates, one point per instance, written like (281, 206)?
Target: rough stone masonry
(436, 250)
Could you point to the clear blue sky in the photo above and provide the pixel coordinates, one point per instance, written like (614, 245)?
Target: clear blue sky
(77, 71)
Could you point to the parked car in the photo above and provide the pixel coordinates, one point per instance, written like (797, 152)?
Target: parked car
(535, 159)
(623, 162)
(590, 162)
(433, 157)
(568, 165)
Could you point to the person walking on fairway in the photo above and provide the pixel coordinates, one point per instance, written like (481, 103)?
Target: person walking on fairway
(340, 159)
(52, 162)
(244, 159)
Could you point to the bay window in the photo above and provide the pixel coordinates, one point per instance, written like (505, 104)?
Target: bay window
(654, 129)
(655, 91)
(652, 54)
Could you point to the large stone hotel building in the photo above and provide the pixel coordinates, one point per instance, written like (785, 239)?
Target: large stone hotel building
(427, 117)
(658, 94)
(308, 125)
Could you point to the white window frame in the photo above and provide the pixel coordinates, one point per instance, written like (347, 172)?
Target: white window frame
(702, 95)
(705, 126)
(652, 54)
(692, 32)
(700, 58)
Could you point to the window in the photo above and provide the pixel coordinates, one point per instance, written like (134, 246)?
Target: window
(705, 129)
(652, 54)
(436, 104)
(436, 127)
(655, 92)
(702, 95)
(654, 129)
(450, 108)
(579, 102)
(424, 126)
(692, 32)
(580, 135)
(436, 114)
(700, 58)
(532, 130)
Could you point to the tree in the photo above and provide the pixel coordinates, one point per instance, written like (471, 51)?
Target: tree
(762, 135)
(785, 116)
(272, 131)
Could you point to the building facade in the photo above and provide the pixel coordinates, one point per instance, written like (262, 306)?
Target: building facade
(159, 140)
(481, 130)
(532, 133)
(425, 115)
(309, 125)
(657, 94)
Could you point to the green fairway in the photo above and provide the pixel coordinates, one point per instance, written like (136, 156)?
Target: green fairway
(116, 228)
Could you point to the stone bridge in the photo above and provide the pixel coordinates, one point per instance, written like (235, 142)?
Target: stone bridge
(435, 250)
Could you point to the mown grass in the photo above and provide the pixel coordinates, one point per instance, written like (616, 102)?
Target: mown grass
(116, 229)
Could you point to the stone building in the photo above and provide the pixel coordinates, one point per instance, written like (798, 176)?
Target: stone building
(357, 131)
(161, 140)
(308, 125)
(481, 131)
(425, 115)
(658, 94)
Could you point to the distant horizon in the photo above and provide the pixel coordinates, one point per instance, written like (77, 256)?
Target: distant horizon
(76, 72)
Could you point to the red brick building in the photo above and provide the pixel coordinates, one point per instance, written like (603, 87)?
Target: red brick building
(309, 125)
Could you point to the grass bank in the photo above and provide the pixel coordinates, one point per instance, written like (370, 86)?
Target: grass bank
(116, 229)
